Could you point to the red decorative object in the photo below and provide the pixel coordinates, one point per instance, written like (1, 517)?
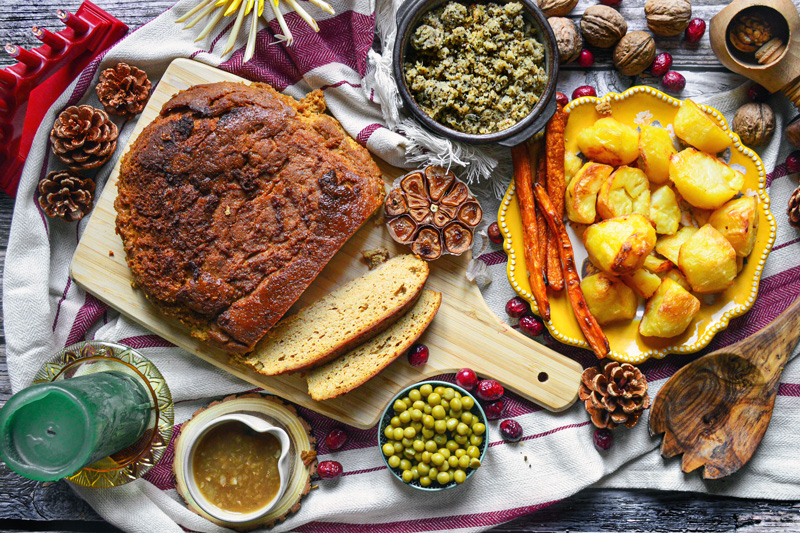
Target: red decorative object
(585, 90)
(695, 30)
(673, 82)
(611, 3)
(510, 430)
(561, 99)
(329, 469)
(489, 390)
(516, 307)
(29, 88)
(586, 59)
(466, 378)
(793, 162)
(335, 439)
(757, 93)
(418, 355)
(661, 64)
(493, 232)
(531, 325)
(494, 410)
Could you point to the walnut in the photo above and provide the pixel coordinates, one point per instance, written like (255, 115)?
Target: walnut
(771, 51)
(557, 8)
(569, 40)
(748, 33)
(634, 53)
(754, 123)
(433, 211)
(602, 26)
(668, 17)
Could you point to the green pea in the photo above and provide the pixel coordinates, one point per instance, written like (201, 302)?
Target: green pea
(388, 449)
(440, 440)
(445, 404)
(467, 417)
(431, 446)
(418, 457)
(408, 453)
(417, 426)
(461, 439)
(461, 452)
(408, 477)
(459, 476)
(467, 402)
(394, 461)
(433, 472)
(440, 426)
(449, 393)
(405, 464)
(425, 481)
(444, 452)
(388, 432)
(398, 448)
(419, 446)
(452, 461)
(400, 406)
(414, 395)
(405, 417)
(396, 422)
(423, 469)
(455, 404)
(428, 420)
(407, 443)
(397, 434)
(474, 463)
(425, 390)
(434, 399)
(478, 429)
(427, 409)
(445, 467)
(458, 394)
(437, 459)
(426, 457)
(439, 390)
(463, 461)
(474, 452)
(443, 478)
(416, 415)
(462, 428)
(406, 400)
(452, 423)
(427, 433)
(415, 471)
(476, 440)
(409, 433)
(438, 412)
(452, 446)
(419, 404)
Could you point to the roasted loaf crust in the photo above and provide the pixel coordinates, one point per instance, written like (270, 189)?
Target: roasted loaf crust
(232, 201)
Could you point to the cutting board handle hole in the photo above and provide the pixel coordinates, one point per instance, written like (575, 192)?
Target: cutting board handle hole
(543, 377)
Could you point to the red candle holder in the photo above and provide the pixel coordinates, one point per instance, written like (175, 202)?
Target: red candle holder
(29, 88)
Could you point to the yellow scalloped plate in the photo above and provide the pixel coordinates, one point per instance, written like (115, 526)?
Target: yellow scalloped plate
(645, 105)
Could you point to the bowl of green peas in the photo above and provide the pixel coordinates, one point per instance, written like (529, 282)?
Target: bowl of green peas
(433, 435)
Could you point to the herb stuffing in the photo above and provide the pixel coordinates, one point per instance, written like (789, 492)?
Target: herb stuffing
(476, 69)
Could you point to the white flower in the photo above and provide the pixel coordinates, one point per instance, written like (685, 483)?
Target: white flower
(643, 118)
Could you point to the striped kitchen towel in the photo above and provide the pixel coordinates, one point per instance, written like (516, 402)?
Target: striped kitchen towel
(44, 311)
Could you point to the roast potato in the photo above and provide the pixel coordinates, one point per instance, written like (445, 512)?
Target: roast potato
(693, 126)
(626, 191)
(655, 149)
(708, 261)
(609, 141)
(669, 312)
(620, 245)
(703, 180)
(670, 245)
(608, 298)
(581, 195)
(657, 265)
(737, 220)
(572, 165)
(643, 282)
(664, 210)
(675, 275)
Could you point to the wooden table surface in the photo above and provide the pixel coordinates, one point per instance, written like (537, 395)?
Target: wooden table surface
(27, 505)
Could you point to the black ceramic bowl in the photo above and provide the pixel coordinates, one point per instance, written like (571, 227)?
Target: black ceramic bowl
(408, 17)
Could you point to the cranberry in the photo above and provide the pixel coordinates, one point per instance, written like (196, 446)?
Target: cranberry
(758, 93)
(586, 59)
(530, 325)
(494, 233)
(793, 162)
(466, 378)
(695, 30)
(661, 64)
(603, 439)
(418, 355)
(489, 390)
(510, 430)
(516, 307)
(611, 3)
(673, 82)
(335, 439)
(494, 410)
(329, 469)
(586, 90)
(561, 99)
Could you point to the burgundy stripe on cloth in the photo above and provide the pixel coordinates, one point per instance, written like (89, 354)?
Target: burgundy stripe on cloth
(442, 523)
(60, 301)
(162, 475)
(544, 434)
(364, 135)
(146, 341)
(494, 258)
(91, 310)
(339, 84)
(270, 64)
(785, 244)
(789, 389)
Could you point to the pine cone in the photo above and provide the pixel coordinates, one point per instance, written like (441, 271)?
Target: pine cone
(66, 195)
(794, 208)
(84, 137)
(123, 90)
(749, 33)
(617, 395)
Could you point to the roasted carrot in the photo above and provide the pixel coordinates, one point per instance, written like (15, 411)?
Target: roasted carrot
(523, 181)
(556, 186)
(537, 154)
(588, 324)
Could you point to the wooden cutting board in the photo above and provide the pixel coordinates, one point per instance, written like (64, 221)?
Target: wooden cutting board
(465, 333)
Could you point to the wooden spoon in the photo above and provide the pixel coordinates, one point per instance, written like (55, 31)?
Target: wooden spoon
(716, 409)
